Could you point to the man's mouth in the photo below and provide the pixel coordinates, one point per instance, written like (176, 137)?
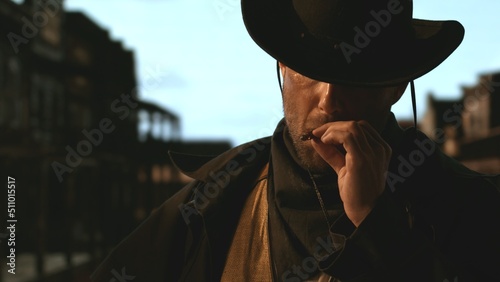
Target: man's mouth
(310, 136)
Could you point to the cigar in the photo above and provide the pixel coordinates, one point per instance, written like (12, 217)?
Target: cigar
(307, 136)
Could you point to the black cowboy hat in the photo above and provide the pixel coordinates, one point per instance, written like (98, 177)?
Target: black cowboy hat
(352, 42)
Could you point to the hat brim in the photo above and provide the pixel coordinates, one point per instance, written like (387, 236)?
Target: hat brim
(268, 23)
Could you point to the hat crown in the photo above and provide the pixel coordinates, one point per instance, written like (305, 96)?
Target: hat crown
(367, 43)
(337, 20)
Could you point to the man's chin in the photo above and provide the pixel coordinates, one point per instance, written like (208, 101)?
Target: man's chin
(317, 166)
(311, 160)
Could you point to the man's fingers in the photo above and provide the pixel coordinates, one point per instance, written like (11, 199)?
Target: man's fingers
(356, 141)
(349, 135)
(370, 131)
(362, 132)
(375, 139)
(331, 154)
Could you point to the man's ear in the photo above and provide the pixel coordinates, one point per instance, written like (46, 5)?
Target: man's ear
(282, 68)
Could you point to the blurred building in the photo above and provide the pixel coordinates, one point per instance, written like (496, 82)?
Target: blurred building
(442, 122)
(469, 128)
(480, 148)
(89, 157)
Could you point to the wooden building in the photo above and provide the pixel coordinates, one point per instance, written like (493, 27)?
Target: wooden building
(469, 128)
(70, 116)
(480, 147)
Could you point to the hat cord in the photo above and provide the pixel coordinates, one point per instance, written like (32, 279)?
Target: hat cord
(414, 104)
(279, 77)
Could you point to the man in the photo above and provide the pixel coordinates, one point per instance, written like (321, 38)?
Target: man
(339, 192)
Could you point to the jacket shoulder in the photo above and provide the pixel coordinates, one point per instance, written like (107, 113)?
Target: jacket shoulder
(199, 167)
(464, 175)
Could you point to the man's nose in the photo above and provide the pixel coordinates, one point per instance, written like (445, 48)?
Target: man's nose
(328, 99)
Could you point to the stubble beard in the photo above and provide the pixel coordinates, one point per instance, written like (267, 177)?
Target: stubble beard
(307, 156)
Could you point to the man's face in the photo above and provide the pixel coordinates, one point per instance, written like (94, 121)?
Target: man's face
(309, 104)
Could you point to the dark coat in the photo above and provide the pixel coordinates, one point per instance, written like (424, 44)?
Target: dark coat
(440, 223)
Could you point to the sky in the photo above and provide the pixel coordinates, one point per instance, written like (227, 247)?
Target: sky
(195, 58)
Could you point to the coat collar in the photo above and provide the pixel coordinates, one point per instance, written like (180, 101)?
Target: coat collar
(200, 167)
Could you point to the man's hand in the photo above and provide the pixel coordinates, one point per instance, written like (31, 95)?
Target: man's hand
(361, 169)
